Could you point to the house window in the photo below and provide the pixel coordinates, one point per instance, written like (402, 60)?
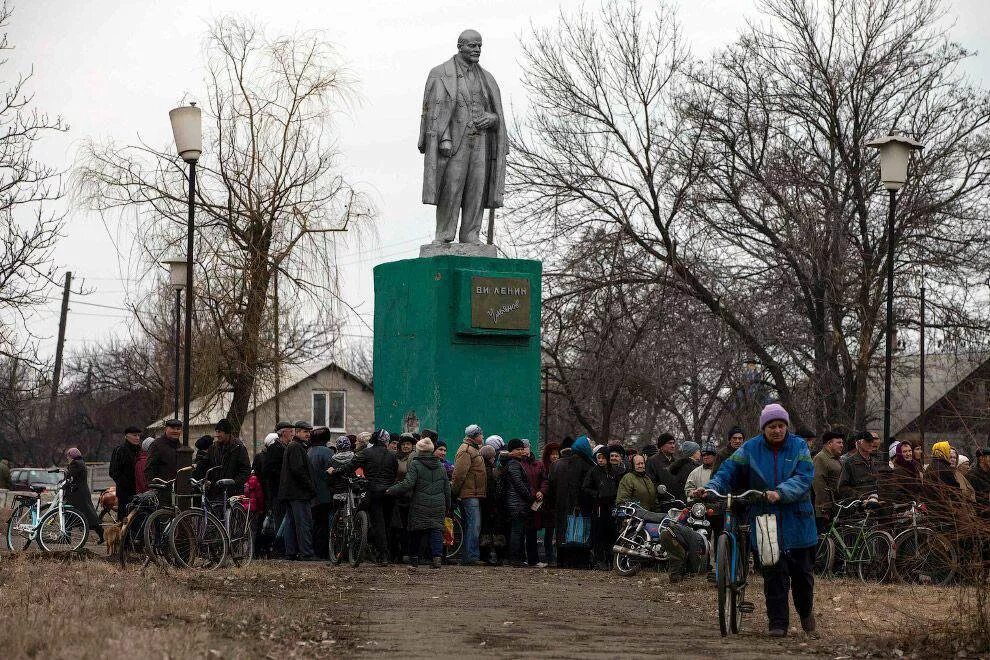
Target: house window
(328, 409)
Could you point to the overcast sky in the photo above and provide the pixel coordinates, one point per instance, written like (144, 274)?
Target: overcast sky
(113, 69)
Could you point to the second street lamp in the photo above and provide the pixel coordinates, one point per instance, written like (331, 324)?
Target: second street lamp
(895, 154)
(177, 280)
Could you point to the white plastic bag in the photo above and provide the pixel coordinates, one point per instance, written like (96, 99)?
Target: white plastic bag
(767, 540)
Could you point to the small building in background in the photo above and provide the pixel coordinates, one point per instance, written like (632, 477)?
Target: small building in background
(326, 395)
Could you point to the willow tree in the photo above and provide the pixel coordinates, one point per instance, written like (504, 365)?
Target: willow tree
(272, 200)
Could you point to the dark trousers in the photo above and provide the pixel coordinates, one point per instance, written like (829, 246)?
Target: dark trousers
(517, 538)
(795, 573)
(298, 529)
(532, 546)
(379, 513)
(549, 547)
(321, 530)
(433, 536)
(603, 534)
(123, 499)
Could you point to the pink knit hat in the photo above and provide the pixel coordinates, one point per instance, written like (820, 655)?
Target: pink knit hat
(73, 453)
(772, 413)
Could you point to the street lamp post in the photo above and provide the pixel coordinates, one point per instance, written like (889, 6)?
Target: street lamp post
(177, 278)
(187, 130)
(895, 153)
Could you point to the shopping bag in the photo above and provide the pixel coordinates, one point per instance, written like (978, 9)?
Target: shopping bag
(767, 542)
(578, 531)
(448, 531)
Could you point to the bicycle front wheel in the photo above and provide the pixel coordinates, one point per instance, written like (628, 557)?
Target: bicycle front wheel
(20, 529)
(737, 588)
(923, 556)
(239, 530)
(198, 540)
(825, 556)
(359, 539)
(155, 535)
(722, 558)
(455, 549)
(62, 530)
(340, 532)
(875, 559)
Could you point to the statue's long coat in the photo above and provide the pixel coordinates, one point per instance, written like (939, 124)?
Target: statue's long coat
(438, 108)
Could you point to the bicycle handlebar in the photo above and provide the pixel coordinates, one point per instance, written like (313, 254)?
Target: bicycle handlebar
(750, 496)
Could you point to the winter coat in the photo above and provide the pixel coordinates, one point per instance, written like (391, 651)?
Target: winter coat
(439, 99)
(858, 477)
(637, 488)
(121, 468)
(78, 495)
(161, 461)
(319, 460)
(255, 495)
(429, 489)
(697, 479)
(537, 478)
(826, 482)
(232, 459)
(140, 483)
(566, 481)
(941, 471)
(980, 479)
(658, 468)
(469, 479)
(680, 470)
(789, 471)
(380, 466)
(518, 494)
(296, 482)
(721, 457)
(272, 477)
(601, 485)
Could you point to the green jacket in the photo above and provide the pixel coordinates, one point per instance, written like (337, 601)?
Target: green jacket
(426, 482)
(637, 488)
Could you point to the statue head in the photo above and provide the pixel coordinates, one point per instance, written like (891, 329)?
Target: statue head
(469, 46)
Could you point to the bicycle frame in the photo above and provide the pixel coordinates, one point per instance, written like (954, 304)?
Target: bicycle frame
(58, 501)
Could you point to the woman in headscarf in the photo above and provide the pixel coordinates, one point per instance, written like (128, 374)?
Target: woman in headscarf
(491, 540)
(600, 486)
(566, 494)
(140, 483)
(77, 493)
(940, 468)
(902, 482)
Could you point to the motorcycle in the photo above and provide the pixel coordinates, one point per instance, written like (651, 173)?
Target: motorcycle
(648, 537)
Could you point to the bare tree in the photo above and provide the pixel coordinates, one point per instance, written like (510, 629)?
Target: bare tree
(272, 200)
(29, 227)
(747, 178)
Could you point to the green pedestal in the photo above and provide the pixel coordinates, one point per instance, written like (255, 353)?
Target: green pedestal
(457, 342)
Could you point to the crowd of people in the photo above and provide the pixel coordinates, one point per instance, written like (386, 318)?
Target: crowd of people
(515, 503)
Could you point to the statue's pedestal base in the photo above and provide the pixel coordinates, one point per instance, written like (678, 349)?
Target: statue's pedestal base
(458, 250)
(457, 342)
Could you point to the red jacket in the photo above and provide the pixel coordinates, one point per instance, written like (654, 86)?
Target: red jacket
(538, 483)
(255, 495)
(140, 484)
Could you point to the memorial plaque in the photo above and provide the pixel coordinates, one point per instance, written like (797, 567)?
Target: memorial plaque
(500, 303)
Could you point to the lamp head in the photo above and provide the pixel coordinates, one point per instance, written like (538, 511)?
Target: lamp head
(187, 130)
(177, 269)
(895, 153)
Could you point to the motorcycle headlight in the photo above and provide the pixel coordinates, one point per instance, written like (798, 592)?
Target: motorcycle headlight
(673, 513)
(699, 510)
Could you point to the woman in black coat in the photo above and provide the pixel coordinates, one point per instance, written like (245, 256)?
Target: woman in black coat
(77, 494)
(600, 486)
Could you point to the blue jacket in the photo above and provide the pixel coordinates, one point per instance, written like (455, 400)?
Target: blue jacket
(789, 471)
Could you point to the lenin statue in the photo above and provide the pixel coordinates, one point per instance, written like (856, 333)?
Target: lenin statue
(462, 136)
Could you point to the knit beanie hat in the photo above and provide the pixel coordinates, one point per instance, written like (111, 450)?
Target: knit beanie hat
(710, 448)
(72, 453)
(894, 446)
(146, 444)
(495, 442)
(515, 444)
(664, 439)
(472, 430)
(735, 429)
(688, 448)
(773, 413)
(424, 445)
(649, 449)
(270, 439)
(204, 442)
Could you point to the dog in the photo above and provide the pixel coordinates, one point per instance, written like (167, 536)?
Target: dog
(112, 534)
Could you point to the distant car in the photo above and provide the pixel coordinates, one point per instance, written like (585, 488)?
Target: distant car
(24, 478)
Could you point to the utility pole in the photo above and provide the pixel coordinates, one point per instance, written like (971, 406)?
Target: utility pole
(921, 405)
(57, 376)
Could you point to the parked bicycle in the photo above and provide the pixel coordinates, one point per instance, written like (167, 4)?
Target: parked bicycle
(349, 534)
(732, 560)
(858, 544)
(197, 537)
(56, 526)
(921, 554)
(146, 527)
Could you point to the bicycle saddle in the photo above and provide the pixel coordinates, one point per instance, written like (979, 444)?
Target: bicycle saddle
(648, 515)
(37, 488)
(225, 483)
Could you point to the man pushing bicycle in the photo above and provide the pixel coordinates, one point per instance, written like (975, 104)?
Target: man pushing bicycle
(783, 530)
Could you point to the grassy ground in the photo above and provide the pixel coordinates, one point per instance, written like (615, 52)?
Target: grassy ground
(89, 608)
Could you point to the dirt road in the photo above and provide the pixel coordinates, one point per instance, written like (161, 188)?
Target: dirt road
(90, 609)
